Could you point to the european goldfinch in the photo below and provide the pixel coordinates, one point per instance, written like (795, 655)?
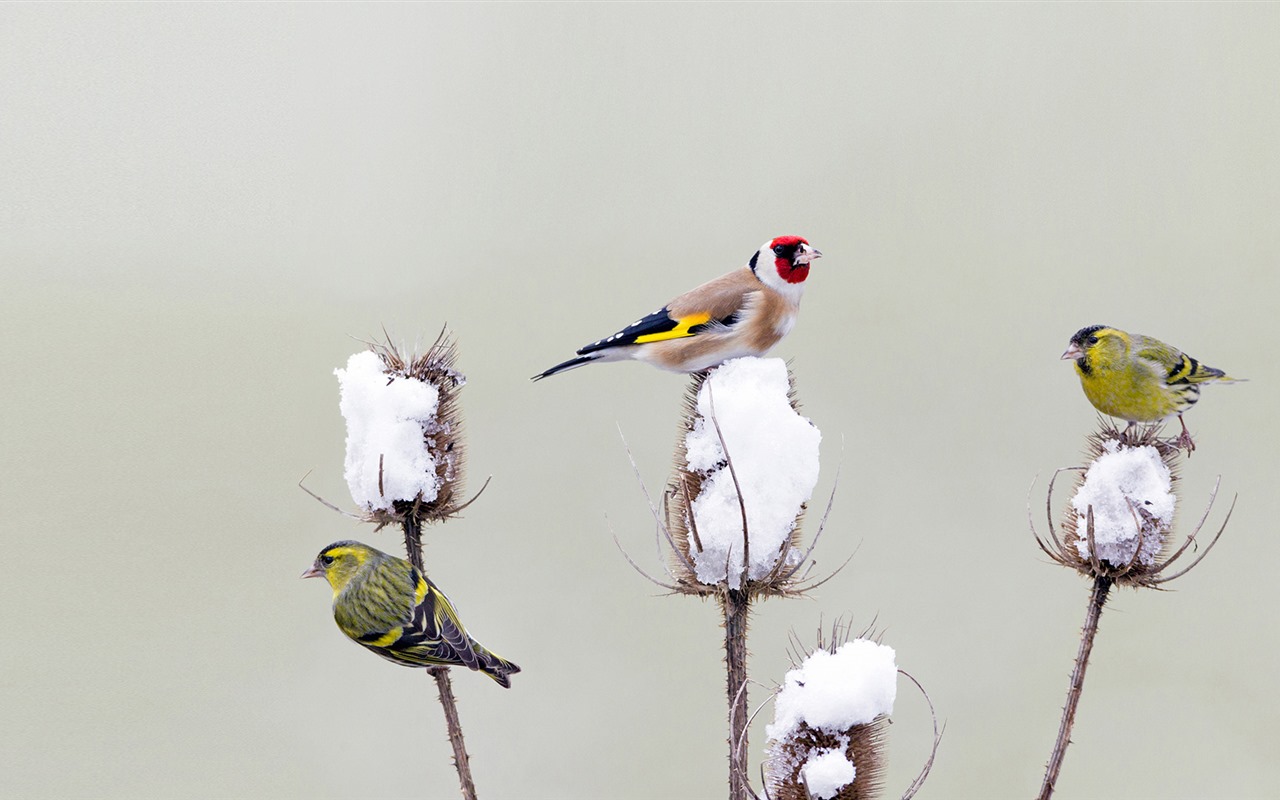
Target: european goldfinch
(1137, 378)
(385, 604)
(742, 313)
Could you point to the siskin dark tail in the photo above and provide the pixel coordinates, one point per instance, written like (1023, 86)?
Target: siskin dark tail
(567, 365)
(497, 668)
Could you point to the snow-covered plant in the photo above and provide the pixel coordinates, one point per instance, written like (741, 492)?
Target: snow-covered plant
(746, 464)
(826, 740)
(1119, 524)
(1118, 529)
(405, 452)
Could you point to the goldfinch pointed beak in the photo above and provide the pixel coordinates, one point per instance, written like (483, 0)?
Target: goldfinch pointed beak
(1073, 352)
(807, 254)
(314, 572)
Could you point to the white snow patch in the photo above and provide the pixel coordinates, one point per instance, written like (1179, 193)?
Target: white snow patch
(826, 773)
(1118, 484)
(833, 692)
(775, 456)
(388, 418)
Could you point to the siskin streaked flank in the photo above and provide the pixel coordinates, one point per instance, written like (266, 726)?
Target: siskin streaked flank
(1137, 378)
(385, 604)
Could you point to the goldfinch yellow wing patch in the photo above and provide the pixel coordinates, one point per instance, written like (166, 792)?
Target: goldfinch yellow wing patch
(657, 327)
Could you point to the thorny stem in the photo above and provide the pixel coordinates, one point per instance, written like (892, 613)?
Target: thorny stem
(1101, 585)
(736, 607)
(460, 758)
(413, 541)
(413, 546)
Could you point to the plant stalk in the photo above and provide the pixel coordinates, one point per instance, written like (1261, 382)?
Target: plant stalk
(736, 607)
(1101, 586)
(460, 758)
(413, 547)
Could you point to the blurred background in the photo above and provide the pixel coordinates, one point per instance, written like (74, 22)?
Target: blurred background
(205, 208)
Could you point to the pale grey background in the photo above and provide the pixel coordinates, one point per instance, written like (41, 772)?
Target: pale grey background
(202, 204)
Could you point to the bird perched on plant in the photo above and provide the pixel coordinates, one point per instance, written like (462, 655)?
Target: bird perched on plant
(387, 605)
(1137, 378)
(742, 313)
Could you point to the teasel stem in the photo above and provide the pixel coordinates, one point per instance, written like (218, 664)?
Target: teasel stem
(736, 605)
(460, 758)
(444, 686)
(1101, 586)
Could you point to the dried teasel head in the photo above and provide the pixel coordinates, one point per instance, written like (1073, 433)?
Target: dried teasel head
(746, 463)
(405, 450)
(1119, 523)
(827, 739)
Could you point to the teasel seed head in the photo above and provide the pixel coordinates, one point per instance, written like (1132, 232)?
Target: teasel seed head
(746, 463)
(1119, 523)
(827, 739)
(405, 450)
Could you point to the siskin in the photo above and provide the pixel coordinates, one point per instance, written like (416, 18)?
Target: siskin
(385, 604)
(1137, 378)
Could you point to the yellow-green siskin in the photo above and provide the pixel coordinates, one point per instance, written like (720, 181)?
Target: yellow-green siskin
(385, 604)
(1137, 378)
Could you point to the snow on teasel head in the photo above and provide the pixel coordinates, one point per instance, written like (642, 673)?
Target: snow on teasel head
(1119, 523)
(827, 736)
(404, 432)
(746, 466)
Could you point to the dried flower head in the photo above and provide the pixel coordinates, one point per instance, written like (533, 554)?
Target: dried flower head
(405, 452)
(746, 463)
(1119, 524)
(830, 717)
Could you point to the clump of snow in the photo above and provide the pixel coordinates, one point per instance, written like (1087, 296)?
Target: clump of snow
(827, 772)
(775, 456)
(1125, 485)
(388, 417)
(833, 692)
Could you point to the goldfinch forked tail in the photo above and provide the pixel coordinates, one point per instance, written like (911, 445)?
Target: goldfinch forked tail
(741, 313)
(1137, 378)
(386, 605)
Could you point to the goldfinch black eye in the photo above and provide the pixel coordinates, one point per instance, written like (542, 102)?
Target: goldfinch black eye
(326, 560)
(778, 250)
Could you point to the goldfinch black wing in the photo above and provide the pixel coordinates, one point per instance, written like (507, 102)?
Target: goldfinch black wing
(660, 326)
(716, 304)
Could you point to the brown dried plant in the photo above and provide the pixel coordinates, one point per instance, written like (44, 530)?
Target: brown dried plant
(677, 528)
(863, 745)
(1149, 567)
